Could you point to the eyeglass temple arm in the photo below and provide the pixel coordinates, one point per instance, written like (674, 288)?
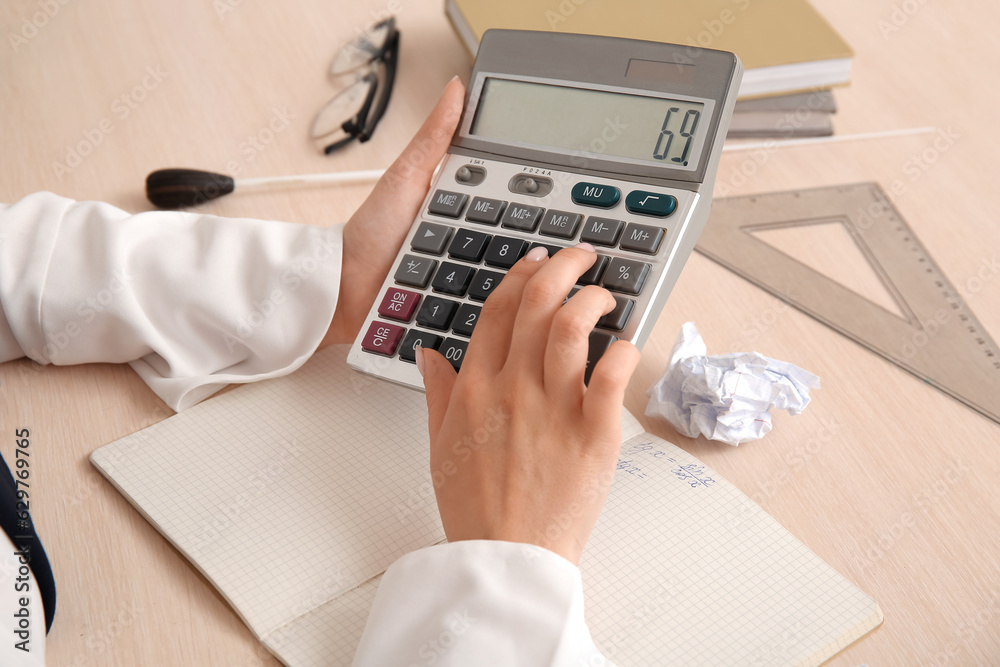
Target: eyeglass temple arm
(355, 126)
(390, 59)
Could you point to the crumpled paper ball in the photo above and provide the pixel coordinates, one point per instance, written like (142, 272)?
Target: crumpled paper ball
(726, 397)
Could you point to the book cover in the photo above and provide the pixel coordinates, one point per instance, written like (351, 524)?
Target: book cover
(785, 45)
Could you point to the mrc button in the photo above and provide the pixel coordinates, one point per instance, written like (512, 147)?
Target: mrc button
(593, 194)
(449, 204)
(650, 203)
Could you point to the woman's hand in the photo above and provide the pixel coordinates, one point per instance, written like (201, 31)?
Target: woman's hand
(521, 450)
(376, 230)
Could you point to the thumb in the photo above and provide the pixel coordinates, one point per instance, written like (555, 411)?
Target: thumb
(405, 182)
(439, 381)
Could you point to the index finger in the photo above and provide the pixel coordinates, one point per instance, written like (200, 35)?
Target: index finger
(491, 338)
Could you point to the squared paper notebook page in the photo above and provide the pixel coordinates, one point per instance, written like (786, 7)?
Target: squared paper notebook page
(682, 568)
(289, 492)
(164, 470)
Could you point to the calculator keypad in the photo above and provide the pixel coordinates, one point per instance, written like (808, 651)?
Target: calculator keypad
(469, 245)
(470, 234)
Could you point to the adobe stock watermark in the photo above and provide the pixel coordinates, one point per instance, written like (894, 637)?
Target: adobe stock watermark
(226, 513)
(561, 12)
(967, 630)
(249, 149)
(785, 127)
(886, 538)
(100, 640)
(796, 458)
(663, 597)
(899, 16)
(257, 143)
(324, 248)
(758, 325)
(454, 625)
(121, 108)
(986, 271)
(32, 24)
(461, 451)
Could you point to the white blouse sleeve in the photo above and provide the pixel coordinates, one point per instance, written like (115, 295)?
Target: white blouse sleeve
(479, 603)
(193, 302)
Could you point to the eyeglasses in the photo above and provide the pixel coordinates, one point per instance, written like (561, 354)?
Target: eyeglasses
(371, 60)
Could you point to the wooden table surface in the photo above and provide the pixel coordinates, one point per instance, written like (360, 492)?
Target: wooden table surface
(894, 484)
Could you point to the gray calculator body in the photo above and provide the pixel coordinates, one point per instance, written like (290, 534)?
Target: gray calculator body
(564, 139)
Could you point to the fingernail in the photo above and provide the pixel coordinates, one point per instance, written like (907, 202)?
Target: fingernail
(419, 354)
(536, 254)
(585, 246)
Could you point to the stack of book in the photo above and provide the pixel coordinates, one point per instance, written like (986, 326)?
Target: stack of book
(792, 57)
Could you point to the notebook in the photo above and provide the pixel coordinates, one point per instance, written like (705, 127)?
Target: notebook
(293, 495)
(785, 46)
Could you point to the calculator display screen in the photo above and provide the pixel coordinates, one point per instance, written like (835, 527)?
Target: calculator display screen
(647, 129)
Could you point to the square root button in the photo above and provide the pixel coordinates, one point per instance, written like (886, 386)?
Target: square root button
(382, 338)
(650, 203)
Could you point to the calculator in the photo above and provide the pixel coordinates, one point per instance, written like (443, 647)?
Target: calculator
(564, 139)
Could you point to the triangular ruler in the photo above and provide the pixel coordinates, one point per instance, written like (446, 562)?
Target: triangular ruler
(939, 340)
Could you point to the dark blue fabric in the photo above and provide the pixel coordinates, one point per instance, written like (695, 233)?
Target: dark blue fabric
(21, 532)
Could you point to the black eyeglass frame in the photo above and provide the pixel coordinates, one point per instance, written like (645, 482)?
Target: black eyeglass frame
(362, 125)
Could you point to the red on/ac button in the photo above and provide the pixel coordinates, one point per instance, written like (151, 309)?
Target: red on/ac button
(398, 304)
(382, 338)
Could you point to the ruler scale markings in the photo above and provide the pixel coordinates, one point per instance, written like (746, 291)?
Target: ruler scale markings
(940, 341)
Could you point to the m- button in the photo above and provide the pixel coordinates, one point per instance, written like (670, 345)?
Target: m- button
(594, 194)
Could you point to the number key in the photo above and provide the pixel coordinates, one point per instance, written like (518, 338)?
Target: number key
(453, 278)
(504, 251)
(483, 284)
(465, 321)
(599, 344)
(552, 249)
(617, 318)
(454, 351)
(408, 352)
(594, 273)
(436, 313)
(468, 245)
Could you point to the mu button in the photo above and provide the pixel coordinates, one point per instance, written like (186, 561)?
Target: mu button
(592, 194)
